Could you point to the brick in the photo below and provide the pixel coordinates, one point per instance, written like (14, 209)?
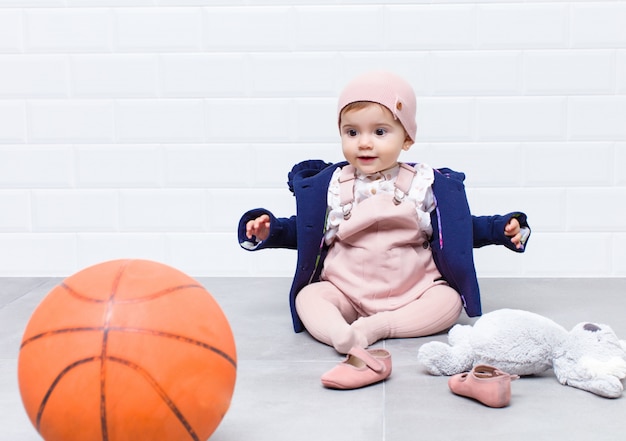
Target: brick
(476, 73)
(170, 120)
(112, 3)
(316, 120)
(213, 255)
(605, 213)
(203, 2)
(233, 203)
(118, 166)
(28, 76)
(55, 30)
(491, 164)
(74, 210)
(492, 201)
(247, 29)
(12, 122)
(162, 210)
(274, 263)
(114, 76)
(206, 165)
(203, 75)
(219, 255)
(569, 164)
(155, 98)
(16, 213)
(274, 161)
(53, 121)
(568, 72)
(293, 74)
(569, 255)
(430, 27)
(395, 2)
(544, 207)
(598, 24)
(162, 29)
(522, 26)
(597, 118)
(445, 119)
(520, 118)
(34, 3)
(33, 167)
(245, 120)
(618, 163)
(498, 262)
(93, 248)
(621, 71)
(619, 255)
(37, 254)
(10, 30)
(325, 28)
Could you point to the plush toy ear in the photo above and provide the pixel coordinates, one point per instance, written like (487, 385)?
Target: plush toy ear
(591, 327)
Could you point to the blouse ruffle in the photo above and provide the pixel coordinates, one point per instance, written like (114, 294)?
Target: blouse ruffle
(369, 185)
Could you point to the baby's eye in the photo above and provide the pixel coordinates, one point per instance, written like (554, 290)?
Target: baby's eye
(380, 132)
(351, 132)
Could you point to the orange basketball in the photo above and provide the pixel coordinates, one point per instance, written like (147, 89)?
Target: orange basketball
(127, 350)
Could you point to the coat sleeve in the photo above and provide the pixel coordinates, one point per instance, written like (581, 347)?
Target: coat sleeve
(456, 232)
(282, 232)
(489, 230)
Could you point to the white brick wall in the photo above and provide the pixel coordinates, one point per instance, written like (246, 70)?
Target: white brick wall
(144, 128)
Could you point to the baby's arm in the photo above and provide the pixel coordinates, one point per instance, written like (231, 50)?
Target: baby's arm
(259, 228)
(511, 230)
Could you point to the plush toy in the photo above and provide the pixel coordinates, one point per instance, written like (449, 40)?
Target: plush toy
(589, 357)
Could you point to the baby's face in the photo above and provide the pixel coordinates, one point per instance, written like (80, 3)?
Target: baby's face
(372, 139)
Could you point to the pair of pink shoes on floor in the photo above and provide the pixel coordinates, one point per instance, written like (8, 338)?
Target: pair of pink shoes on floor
(484, 383)
(361, 367)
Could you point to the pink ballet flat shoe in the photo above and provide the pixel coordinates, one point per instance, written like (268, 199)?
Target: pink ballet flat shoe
(484, 383)
(361, 367)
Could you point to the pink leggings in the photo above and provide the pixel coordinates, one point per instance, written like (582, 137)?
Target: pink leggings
(332, 319)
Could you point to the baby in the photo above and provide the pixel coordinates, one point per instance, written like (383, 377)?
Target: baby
(384, 247)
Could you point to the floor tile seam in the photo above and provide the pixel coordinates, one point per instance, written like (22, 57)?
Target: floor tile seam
(42, 282)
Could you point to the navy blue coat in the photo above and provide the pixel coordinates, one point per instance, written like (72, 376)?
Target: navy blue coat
(455, 231)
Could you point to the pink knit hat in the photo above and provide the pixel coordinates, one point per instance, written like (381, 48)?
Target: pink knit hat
(387, 89)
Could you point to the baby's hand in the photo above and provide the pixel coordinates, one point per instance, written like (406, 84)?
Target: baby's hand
(513, 230)
(259, 227)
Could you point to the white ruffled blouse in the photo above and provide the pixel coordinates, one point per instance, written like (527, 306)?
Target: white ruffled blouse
(368, 185)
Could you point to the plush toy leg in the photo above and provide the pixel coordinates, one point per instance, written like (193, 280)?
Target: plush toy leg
(441, 359)
(601, 377)
(604, 386)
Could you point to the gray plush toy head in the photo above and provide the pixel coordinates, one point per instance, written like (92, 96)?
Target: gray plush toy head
(593, 359)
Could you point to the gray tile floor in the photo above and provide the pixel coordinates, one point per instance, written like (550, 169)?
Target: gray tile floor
(278, 395)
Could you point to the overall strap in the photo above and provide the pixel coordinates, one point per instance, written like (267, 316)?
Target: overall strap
(346, 189)
(406, 173)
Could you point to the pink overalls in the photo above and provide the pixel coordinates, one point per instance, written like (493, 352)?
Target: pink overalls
(376, 274)
(381, 260)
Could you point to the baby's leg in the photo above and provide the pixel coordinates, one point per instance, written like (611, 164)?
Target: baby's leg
(327, 314)
(435, 311)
